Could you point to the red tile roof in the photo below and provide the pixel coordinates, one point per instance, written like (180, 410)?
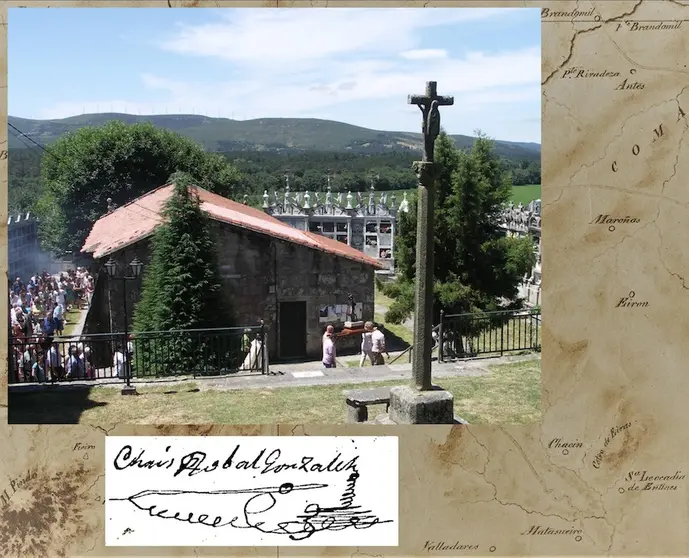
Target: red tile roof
(139, 218)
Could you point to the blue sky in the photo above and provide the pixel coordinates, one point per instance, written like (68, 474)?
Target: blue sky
(350, 65)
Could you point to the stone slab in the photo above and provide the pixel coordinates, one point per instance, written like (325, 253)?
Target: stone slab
(372, 396)
(308, 374)
(357, 414)
(410, 406)
(384, 419)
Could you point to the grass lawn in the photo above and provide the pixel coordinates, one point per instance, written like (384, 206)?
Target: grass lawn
(525, 194)
(72, 317)
(402, 332)
(398, 330)
(510, 394)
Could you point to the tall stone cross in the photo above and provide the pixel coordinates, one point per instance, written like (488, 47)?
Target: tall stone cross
(423, 311)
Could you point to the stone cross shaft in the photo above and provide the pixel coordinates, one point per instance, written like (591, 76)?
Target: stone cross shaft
(423, 308)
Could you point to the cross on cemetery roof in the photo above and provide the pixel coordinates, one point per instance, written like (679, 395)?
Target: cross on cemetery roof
(139, 218)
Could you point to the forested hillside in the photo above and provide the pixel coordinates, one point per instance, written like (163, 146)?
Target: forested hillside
(263, 134)
(265, 170)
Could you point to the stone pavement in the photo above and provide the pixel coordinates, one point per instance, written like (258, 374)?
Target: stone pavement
(301, 374)
(313, 374)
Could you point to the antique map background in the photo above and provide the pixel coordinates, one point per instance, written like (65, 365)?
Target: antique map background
(614, 378)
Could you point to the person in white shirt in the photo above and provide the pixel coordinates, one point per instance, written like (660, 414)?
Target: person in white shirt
(14, 315)
(61, 298)
(54, 364)
(27, 364)
(378, 346)
(329, 348)
(74, 364)
(89, 289)
(85, 356)
(38, 370)
(366, 344)
(329, 332)
(118, 361)
(59, 320)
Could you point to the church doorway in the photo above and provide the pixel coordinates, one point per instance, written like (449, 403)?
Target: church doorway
(293, 330)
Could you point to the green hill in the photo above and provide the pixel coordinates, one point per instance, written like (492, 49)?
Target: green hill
(263, 134)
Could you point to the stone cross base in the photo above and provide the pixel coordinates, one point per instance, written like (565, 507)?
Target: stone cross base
(410, 406)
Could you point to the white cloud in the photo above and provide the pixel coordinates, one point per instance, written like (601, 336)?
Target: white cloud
(348, 82)
(263, 95)
(273, 38)
(300, 63)
(424, 54)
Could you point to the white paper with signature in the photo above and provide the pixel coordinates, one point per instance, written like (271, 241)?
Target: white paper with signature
(251, 491)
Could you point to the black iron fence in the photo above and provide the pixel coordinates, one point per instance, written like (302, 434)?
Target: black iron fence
(198, 353)
(488, 333)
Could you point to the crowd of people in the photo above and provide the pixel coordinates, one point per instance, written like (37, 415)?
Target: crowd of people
(38, 311)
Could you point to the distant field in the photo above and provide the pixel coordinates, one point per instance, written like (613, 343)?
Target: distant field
(523, 194)
(526, 193)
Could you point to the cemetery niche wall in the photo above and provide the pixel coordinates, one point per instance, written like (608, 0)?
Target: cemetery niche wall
(368, 222)
(521, 220)
(364, 221)
(22, 246)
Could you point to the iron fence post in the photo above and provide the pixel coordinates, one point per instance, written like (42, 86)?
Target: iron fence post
(440, 337)
(502, 340)
(125, 349)
(509, 322)
(263, 348)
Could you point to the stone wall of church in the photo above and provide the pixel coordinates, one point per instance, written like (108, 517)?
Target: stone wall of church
(259, 272)
(321, 280)
(107, 312)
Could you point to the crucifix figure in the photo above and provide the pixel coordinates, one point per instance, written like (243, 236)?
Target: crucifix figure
(352, 306)
(430, 125)
(423, 308)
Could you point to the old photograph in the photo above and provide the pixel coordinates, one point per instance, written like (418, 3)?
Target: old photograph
(262, 215)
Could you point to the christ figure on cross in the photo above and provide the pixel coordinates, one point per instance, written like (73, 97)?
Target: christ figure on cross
(430, 125)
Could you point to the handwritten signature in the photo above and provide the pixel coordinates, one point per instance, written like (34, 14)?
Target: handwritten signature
(262, 501)
(264, 462)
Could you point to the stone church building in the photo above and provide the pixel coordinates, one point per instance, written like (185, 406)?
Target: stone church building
(296, 281)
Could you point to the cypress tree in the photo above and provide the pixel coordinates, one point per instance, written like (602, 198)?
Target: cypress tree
(476, 266)
(182, 287)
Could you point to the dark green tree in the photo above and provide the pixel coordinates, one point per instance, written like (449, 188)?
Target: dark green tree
(24, 179)
(264, 170)
(121, 162)
(182, 287)
(476, 266)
